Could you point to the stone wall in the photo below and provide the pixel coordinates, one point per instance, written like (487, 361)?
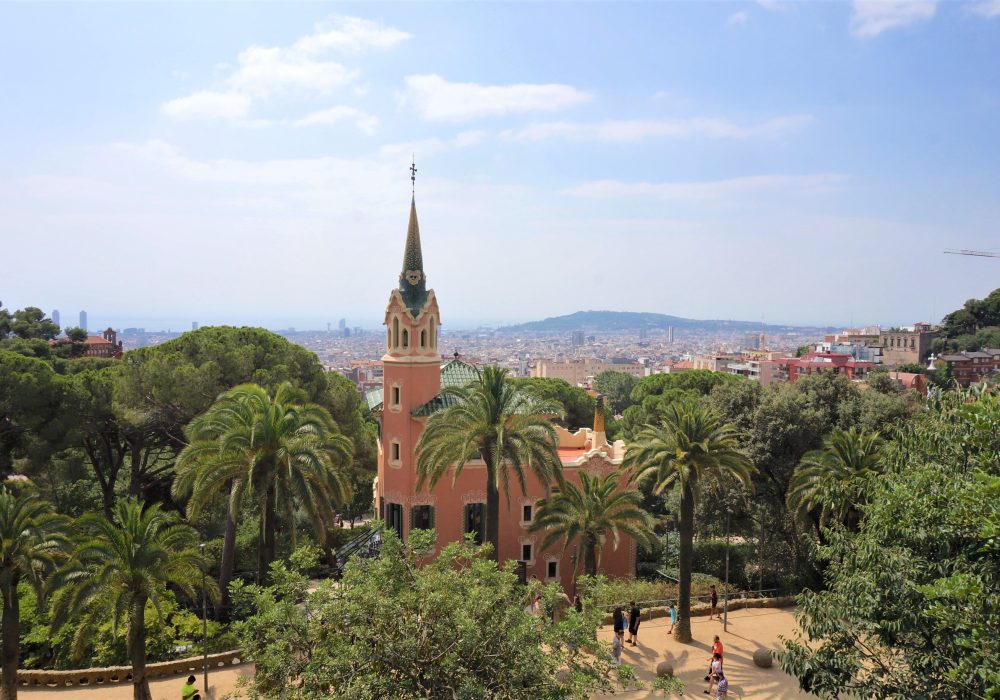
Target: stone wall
(123, 674)
(698, 609)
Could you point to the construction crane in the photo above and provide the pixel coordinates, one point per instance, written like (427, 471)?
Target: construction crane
(977, 253)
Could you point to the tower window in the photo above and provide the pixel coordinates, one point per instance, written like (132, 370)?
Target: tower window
(423, 339)
(552, 570)
(406, 338)
(395, 396)
(526, 552)
(527, 512)
(395, 451)
(395, 332)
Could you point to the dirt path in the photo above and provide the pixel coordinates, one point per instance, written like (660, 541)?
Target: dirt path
(221, 682)
(748, 630)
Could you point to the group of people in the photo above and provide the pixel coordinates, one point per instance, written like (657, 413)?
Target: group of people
(716, 676)
(619, 641)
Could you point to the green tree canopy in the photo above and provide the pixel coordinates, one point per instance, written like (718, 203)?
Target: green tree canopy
(577, 405)
(652, 395)
(120, 568)
(911, 605)
(617, 387)
(456, 627)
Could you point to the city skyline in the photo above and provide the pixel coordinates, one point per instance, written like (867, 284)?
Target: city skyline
(669, 158)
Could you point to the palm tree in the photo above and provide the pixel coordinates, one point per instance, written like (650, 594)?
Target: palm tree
(591, 514)
(32, 540)
(497, 421)
(120, 568)
(689, 447)
(280, 451)
(831, 479)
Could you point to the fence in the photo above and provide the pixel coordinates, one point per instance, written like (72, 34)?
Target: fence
(123, 674)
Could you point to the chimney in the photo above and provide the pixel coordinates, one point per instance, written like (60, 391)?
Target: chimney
(598, 439)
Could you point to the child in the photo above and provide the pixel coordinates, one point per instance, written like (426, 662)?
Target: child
(722, 687)
(616, 650)
(673, 618)
(714, 671)
(189, 691)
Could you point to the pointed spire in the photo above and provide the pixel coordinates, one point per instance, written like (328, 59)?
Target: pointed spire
(412, 280)
(413, 259)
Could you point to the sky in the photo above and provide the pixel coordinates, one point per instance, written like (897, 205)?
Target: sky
(800, 163)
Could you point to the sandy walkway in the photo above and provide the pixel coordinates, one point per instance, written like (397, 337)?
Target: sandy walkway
(220, 683)
(761, 625)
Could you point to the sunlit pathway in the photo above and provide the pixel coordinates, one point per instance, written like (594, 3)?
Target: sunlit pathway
(748, 630)
(220, 683)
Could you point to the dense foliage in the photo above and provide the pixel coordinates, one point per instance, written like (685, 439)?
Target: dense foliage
(458, 627)
(976, 325)
(911, 606)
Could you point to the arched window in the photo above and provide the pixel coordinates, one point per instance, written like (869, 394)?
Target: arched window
(395, 332)
(433, 338)
(423, 339)
(406, 338)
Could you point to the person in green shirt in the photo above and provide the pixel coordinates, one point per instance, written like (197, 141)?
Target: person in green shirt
(189, 691)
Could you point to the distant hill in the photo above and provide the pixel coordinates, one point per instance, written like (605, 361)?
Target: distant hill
(631, 320)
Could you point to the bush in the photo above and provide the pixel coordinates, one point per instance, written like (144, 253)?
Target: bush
(605, 593)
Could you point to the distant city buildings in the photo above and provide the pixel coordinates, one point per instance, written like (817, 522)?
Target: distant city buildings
(670, 335)
(582, 371)
(970, 367)
(55, 317)
(83, 320)
(577, 339)
(341, 325)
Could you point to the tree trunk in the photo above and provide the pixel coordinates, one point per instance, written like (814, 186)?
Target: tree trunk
(266, 548)
(137, 650)
(590, 557)
(135, 469)
(492, 509)
(685, 528)
(226, 564)
(11, 647)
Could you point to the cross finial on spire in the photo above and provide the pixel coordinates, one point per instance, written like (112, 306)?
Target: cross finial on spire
(413, 174)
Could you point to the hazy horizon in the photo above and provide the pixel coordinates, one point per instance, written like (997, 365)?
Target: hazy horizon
(792, 163)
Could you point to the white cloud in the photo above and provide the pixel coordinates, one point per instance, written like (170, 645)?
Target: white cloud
(431, 146)
(350, 34)
(263, 73)
(738, 18)
(771, 5)
(365, 122)
(207, 104)
(989, 8)
(870, 18)
(436, 99)
(711, 189)
(625, 130)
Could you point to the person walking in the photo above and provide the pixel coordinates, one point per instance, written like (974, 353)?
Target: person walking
(673, 618)
(616, 650)
(714, 611)
(717, 648)
(189, 691)
(714, 671)
(633, 623)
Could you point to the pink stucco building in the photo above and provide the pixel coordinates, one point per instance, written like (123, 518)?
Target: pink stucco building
(413, 376)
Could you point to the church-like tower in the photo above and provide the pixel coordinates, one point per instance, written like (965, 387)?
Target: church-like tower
(411, 376)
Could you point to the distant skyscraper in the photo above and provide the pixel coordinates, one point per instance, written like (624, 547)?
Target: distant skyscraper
(194, 325)
(670, 334)
(643, 332)
(83, 320)
(342, 324)
(55, 317)
(327, 326)
(347, 332)
(577, 339)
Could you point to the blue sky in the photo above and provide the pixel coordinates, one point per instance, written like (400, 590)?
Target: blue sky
(247, 163)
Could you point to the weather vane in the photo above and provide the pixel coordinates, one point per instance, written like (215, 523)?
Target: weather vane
(413, 173)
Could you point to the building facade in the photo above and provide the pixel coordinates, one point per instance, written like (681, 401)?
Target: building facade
(972, 367)
(908, 345)
(580, 372)
(413, 375)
